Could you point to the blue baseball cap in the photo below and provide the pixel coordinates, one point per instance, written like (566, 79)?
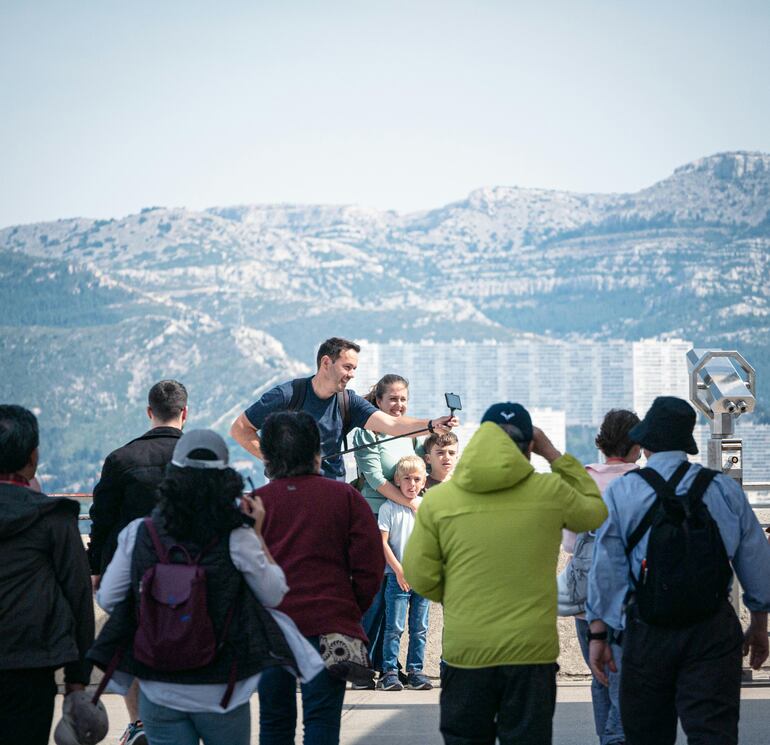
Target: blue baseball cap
(513, 414)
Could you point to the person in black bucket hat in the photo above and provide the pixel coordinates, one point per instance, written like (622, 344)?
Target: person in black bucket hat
(688, 668)
(668, 425)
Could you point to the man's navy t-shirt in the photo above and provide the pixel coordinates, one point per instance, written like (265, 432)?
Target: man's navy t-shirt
(327, 416)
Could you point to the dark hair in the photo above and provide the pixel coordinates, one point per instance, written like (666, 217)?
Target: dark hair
(333, 348)
(18, 437)
(380, 388)
(290, 442)
(167, 398)
(516, 435)
(439, 440)
(199, 504)
(613, 439)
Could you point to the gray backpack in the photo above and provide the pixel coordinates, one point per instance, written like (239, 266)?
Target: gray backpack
(572, 582)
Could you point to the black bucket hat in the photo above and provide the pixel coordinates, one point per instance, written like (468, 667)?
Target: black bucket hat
(668, 425)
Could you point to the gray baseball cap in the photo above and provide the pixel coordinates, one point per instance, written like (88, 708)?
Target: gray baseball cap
(200, 439)
(83, 722)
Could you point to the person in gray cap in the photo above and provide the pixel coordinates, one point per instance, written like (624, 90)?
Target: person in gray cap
(485, 544)
(676, 667)
(198, 515)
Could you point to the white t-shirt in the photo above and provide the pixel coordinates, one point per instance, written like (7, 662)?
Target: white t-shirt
(399, 522)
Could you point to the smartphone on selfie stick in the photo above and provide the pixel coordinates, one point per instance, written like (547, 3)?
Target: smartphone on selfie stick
(453, 402)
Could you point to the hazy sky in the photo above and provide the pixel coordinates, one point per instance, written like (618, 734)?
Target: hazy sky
(107, 107)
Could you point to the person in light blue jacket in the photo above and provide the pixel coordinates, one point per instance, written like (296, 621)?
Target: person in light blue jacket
(688, 672)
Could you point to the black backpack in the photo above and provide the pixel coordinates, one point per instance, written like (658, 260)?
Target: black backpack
(686, 573)
(298, 392)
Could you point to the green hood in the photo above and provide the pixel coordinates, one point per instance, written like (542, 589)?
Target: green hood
(490, 461)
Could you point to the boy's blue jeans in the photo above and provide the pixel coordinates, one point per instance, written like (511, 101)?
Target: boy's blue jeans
(397, 605)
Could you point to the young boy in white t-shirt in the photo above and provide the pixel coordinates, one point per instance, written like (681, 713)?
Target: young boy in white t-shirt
(396, 523)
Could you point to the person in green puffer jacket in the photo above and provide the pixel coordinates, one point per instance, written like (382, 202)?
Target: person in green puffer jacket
(485, 545)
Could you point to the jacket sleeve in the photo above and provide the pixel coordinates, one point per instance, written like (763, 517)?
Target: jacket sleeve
(104, 512)
(584, 508)
(71, 570)
(365, 554)
(423, 562)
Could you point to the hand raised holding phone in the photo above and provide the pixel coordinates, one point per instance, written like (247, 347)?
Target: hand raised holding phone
(253, 507)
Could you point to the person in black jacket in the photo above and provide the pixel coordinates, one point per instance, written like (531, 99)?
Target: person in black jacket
(46, 611)
(127, 490)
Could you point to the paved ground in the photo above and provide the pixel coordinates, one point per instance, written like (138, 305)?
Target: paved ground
(390, 718)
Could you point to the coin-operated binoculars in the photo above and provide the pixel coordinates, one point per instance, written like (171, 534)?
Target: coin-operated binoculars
(723, 386)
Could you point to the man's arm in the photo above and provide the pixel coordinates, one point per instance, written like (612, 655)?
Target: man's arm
(70, 566)
(104, 513)
(395, 426)
(423, 562)
(584, 508)
(755, 640)
(244, 429)
(610, 575)
(752, 554)
(245, 434)
(600, 658)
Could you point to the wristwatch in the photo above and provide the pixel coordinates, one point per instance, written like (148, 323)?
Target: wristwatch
(599, 636)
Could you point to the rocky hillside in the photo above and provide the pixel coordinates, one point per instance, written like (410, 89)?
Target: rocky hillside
(230, 297)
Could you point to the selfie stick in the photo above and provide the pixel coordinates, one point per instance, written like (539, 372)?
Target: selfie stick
(452, 410)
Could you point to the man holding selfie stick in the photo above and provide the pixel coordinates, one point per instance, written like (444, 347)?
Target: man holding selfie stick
(335, 409)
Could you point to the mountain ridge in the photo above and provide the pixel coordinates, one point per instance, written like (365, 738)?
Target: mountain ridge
(688, 256)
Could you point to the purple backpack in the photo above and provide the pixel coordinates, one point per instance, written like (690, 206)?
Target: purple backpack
(175, 630)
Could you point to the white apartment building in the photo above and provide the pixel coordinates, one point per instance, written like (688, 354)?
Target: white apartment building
(562, 383)
(582, 378)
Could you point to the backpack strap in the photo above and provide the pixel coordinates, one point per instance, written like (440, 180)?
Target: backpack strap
(160, 549)
(298, 391)
(698, 487)
(109, 671)
(343, 404)
(662, 489)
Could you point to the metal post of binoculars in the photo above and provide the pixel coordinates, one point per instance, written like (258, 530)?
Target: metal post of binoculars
(723, 391)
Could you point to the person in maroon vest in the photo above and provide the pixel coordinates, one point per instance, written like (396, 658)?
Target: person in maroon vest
(324, 536)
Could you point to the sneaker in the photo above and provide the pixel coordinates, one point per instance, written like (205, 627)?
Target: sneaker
(389, 682)
(418, 682)
(363, 686)
(134, 735)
